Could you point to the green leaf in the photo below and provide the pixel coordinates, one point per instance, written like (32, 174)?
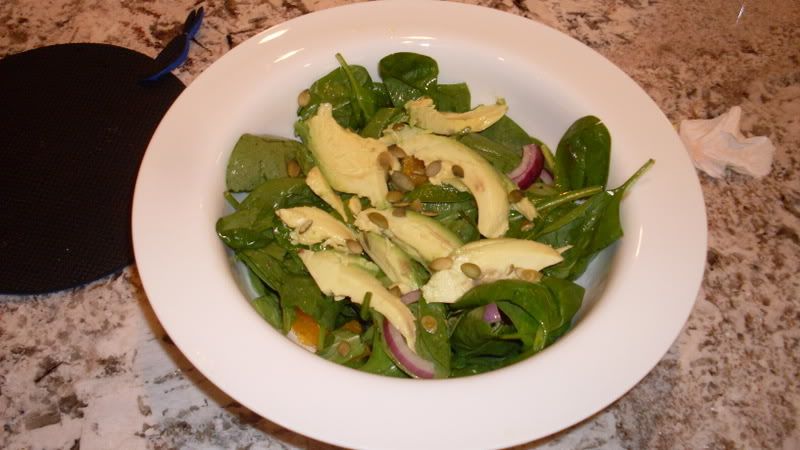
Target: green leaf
(379, 361)
(361, 95)
(503, 158)
(506, 132)
(434, 345)
(268, 306)
(528, 330)
(583, 155)
(256, 159)
(534, 298)
(382, 119)
(431, 193)
(452, 98)
(416, 71)
(336, 88)
(473, 336)
(302, 292)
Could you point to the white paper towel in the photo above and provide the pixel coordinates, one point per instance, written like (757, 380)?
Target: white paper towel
(717, 144)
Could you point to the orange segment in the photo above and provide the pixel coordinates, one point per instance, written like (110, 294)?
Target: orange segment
(305, 328)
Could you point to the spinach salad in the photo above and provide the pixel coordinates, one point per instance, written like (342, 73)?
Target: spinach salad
(409, 234)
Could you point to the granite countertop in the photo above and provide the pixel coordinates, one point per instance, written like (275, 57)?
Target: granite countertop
(92, 368)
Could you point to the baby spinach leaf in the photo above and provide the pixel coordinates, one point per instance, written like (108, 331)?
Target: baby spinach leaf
(268, 306)
(400, 93)
(302, 292)
(503, 158)
(382, 119)
(569, 296)
(506, 132)
(256, 159)
(432, 193)
(362, 97)
(583, 155)
(379, 361)
(473, 336)
(528, 329)
(382, 99)
(246, 228)
(588, 228)
(534, 298)
(452, 98)
(275, 194)
(336, 88)
(473, 365)
(416, 71)
(434, 345)
(267, 268)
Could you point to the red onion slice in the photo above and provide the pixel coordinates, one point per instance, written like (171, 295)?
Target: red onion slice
(492, 314)
(411, 297)
(529, 167)
(406, 359)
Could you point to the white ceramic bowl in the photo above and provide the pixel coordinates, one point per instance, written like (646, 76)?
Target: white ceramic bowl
(640, 293)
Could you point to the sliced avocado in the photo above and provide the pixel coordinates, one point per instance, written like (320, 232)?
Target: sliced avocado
(343, 275)
(320, 186)
(312, 225)
(423, 114)
(489, 187)
(348, 161)
(407, 274)
(423, 238)
(498, 259)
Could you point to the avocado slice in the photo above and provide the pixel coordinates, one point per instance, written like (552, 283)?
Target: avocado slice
(489, 187)
(343, 275)
(498, 259)
(421, 237)
(423, 114)
(312, 225)
(403, 271)
(348, 161)
(320, 186)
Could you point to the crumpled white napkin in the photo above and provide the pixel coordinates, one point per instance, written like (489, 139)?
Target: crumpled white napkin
(717, 144)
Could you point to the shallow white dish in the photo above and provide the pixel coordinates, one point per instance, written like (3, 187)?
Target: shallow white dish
(640, 293)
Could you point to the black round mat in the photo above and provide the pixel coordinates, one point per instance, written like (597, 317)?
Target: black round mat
(74, 124)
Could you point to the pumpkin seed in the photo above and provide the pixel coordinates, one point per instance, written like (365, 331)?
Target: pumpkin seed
(394, 196)
(515, 196)
(443, 263)
(399, 212)
(458, 171)
(471, 270)
(433, 168)
(304, 98)
(416, 205)
(378, 219)
(396, 151)
(429, 324)
(402, 181)
(292, 168)
(529, 275)
(343, 348)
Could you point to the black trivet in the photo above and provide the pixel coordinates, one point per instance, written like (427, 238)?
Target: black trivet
(75, 121)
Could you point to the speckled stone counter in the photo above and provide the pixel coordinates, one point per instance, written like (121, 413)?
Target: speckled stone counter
(92, 368)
